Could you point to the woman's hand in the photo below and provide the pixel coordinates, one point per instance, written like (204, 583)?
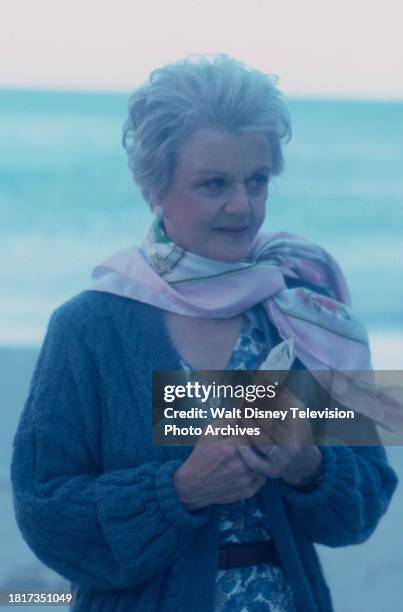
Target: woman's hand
(296, 465)
(216, 473)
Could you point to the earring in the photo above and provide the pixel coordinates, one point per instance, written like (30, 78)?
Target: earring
(158, 211)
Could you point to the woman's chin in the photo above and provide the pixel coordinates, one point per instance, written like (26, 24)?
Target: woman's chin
(229, 255)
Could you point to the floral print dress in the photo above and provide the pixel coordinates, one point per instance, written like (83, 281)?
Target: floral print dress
(263, 587)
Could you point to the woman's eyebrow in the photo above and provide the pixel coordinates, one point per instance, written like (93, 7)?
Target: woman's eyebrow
(262, 169)
(211, 171)
(203, 171)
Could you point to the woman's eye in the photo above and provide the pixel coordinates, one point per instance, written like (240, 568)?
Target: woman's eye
(214, 185)
(258, 182)
(217, 184)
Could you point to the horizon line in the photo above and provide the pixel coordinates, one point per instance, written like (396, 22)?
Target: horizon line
(342, 97)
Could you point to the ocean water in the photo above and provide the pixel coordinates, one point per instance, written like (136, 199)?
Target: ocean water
(67, 199)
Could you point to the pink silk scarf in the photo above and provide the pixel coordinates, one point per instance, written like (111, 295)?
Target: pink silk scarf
(325, 331)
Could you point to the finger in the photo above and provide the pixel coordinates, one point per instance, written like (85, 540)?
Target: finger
(266, 451)
(256, 463)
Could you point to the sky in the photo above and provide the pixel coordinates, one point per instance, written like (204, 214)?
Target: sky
(319, 48)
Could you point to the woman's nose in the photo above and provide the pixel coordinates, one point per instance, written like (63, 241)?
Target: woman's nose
(237, 201)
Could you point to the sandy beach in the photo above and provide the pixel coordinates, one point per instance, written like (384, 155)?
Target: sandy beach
(366, 577)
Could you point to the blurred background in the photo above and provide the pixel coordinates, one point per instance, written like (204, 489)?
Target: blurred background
(67, 199)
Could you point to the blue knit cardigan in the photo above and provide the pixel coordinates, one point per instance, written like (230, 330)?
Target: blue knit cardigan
(95, 500)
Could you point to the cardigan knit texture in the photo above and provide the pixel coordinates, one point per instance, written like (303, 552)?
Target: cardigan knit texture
(95, 500)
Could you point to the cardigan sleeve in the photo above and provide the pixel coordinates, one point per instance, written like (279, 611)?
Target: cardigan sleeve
(352, 495)
(104, 530)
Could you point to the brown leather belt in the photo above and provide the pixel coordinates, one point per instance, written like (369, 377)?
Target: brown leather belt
(244, 554)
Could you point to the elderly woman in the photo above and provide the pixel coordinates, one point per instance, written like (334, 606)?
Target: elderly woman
(212, 527)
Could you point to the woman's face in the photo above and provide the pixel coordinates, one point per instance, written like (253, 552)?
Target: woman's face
(216, 202)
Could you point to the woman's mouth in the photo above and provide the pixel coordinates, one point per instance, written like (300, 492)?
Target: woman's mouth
(233, 230)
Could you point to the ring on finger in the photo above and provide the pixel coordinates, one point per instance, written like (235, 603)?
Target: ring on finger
(270, 452)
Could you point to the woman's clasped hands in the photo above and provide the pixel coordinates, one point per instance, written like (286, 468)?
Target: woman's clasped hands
(231, 469)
